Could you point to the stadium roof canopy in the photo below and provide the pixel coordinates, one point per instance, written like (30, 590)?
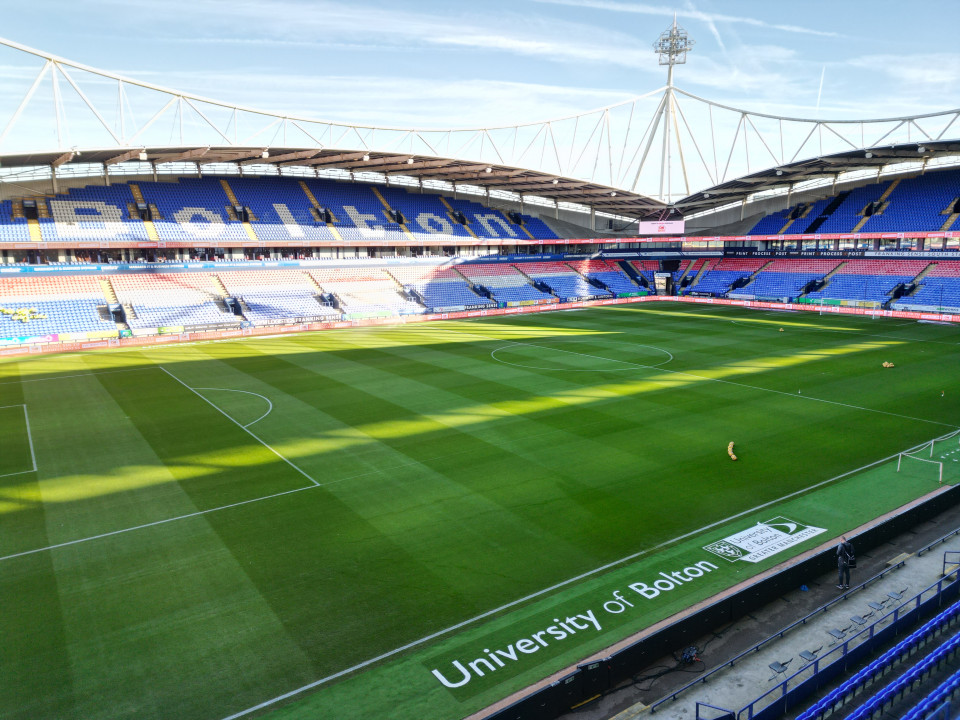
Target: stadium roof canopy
(391, 164)
(909, 156)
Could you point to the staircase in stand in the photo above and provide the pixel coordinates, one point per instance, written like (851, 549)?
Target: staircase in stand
(827, 212)
(389, 212)
(452, 214)
(218, 285)
(247, 227)
(703, 269)
(108, 291)
(148, 224)
(317, 207)
(753, 276)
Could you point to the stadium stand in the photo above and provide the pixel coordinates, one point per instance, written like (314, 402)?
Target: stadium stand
(932, 706)
(939, 288)
(923, 203)
(849, 212)
(918, 203)
(786, 278)
(494, 224)
(901, 652)
(276, 209)
(563, 280)
(440, 288)
(812, 217)
(869, 280)
(719, 277)
(271, 297)
(646, 268)
(13, 228)
(93, 213)
(192, 209)
(505, 282)
(608, 273)
(66, 304)
(281, 210)
(359, 214)
(427, 217)
(171, 300)
(679, 272)
(365, 293)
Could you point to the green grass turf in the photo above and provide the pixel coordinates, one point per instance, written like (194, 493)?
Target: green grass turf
(415, 478)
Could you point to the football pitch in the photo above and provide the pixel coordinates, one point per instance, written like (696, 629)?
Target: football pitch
(327, 524)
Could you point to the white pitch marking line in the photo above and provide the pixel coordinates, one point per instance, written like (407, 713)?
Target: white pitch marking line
(246, 392)
(33, 456)
(374, 471)
(242, 427)
(507, 606)
(87, 374)
(725, 382)
(152, 524)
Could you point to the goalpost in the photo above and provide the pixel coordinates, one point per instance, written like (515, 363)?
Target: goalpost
(917, 452)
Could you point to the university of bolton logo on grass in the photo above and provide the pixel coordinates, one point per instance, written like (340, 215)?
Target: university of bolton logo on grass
(763, 540)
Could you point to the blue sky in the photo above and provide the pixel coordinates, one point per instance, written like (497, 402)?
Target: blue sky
(433, 63)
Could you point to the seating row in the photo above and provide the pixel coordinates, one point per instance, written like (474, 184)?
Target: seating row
(836, 698)
(280, 209)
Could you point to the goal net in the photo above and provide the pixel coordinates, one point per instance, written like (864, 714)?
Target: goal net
(940, 456)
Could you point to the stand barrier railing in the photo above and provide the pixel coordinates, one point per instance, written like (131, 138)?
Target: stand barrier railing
(853, 650)
(702, 679)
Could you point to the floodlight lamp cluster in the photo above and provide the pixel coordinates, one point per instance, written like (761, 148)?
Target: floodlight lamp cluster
(673, 45)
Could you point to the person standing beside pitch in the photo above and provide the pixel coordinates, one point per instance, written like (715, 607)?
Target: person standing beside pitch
(845, 560)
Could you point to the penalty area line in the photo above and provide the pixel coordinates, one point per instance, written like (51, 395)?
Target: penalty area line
(33, 454)
(564, 583)
(153, 524)
(242, 427)
(246, 392)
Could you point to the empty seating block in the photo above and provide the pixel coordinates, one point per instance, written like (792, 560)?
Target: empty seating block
(93, 213)
(869, 280)
(917, 204)
(723, 274)
(192, 209)
(360, 216)
(427, 217)
(608, 273)
(442, 288)
(940, 288)
(505, 282)
(70, 304)
(171, 299)
(272, 297)
(365, 292)
(12, 229)
(846, 216)
(281, 210)
(563, 280)
(786, 278)
(646, 268)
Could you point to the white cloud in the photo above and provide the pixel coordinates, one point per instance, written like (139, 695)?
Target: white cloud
(924, 72)
(358, 25)
(394, 100)
(689, 14)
